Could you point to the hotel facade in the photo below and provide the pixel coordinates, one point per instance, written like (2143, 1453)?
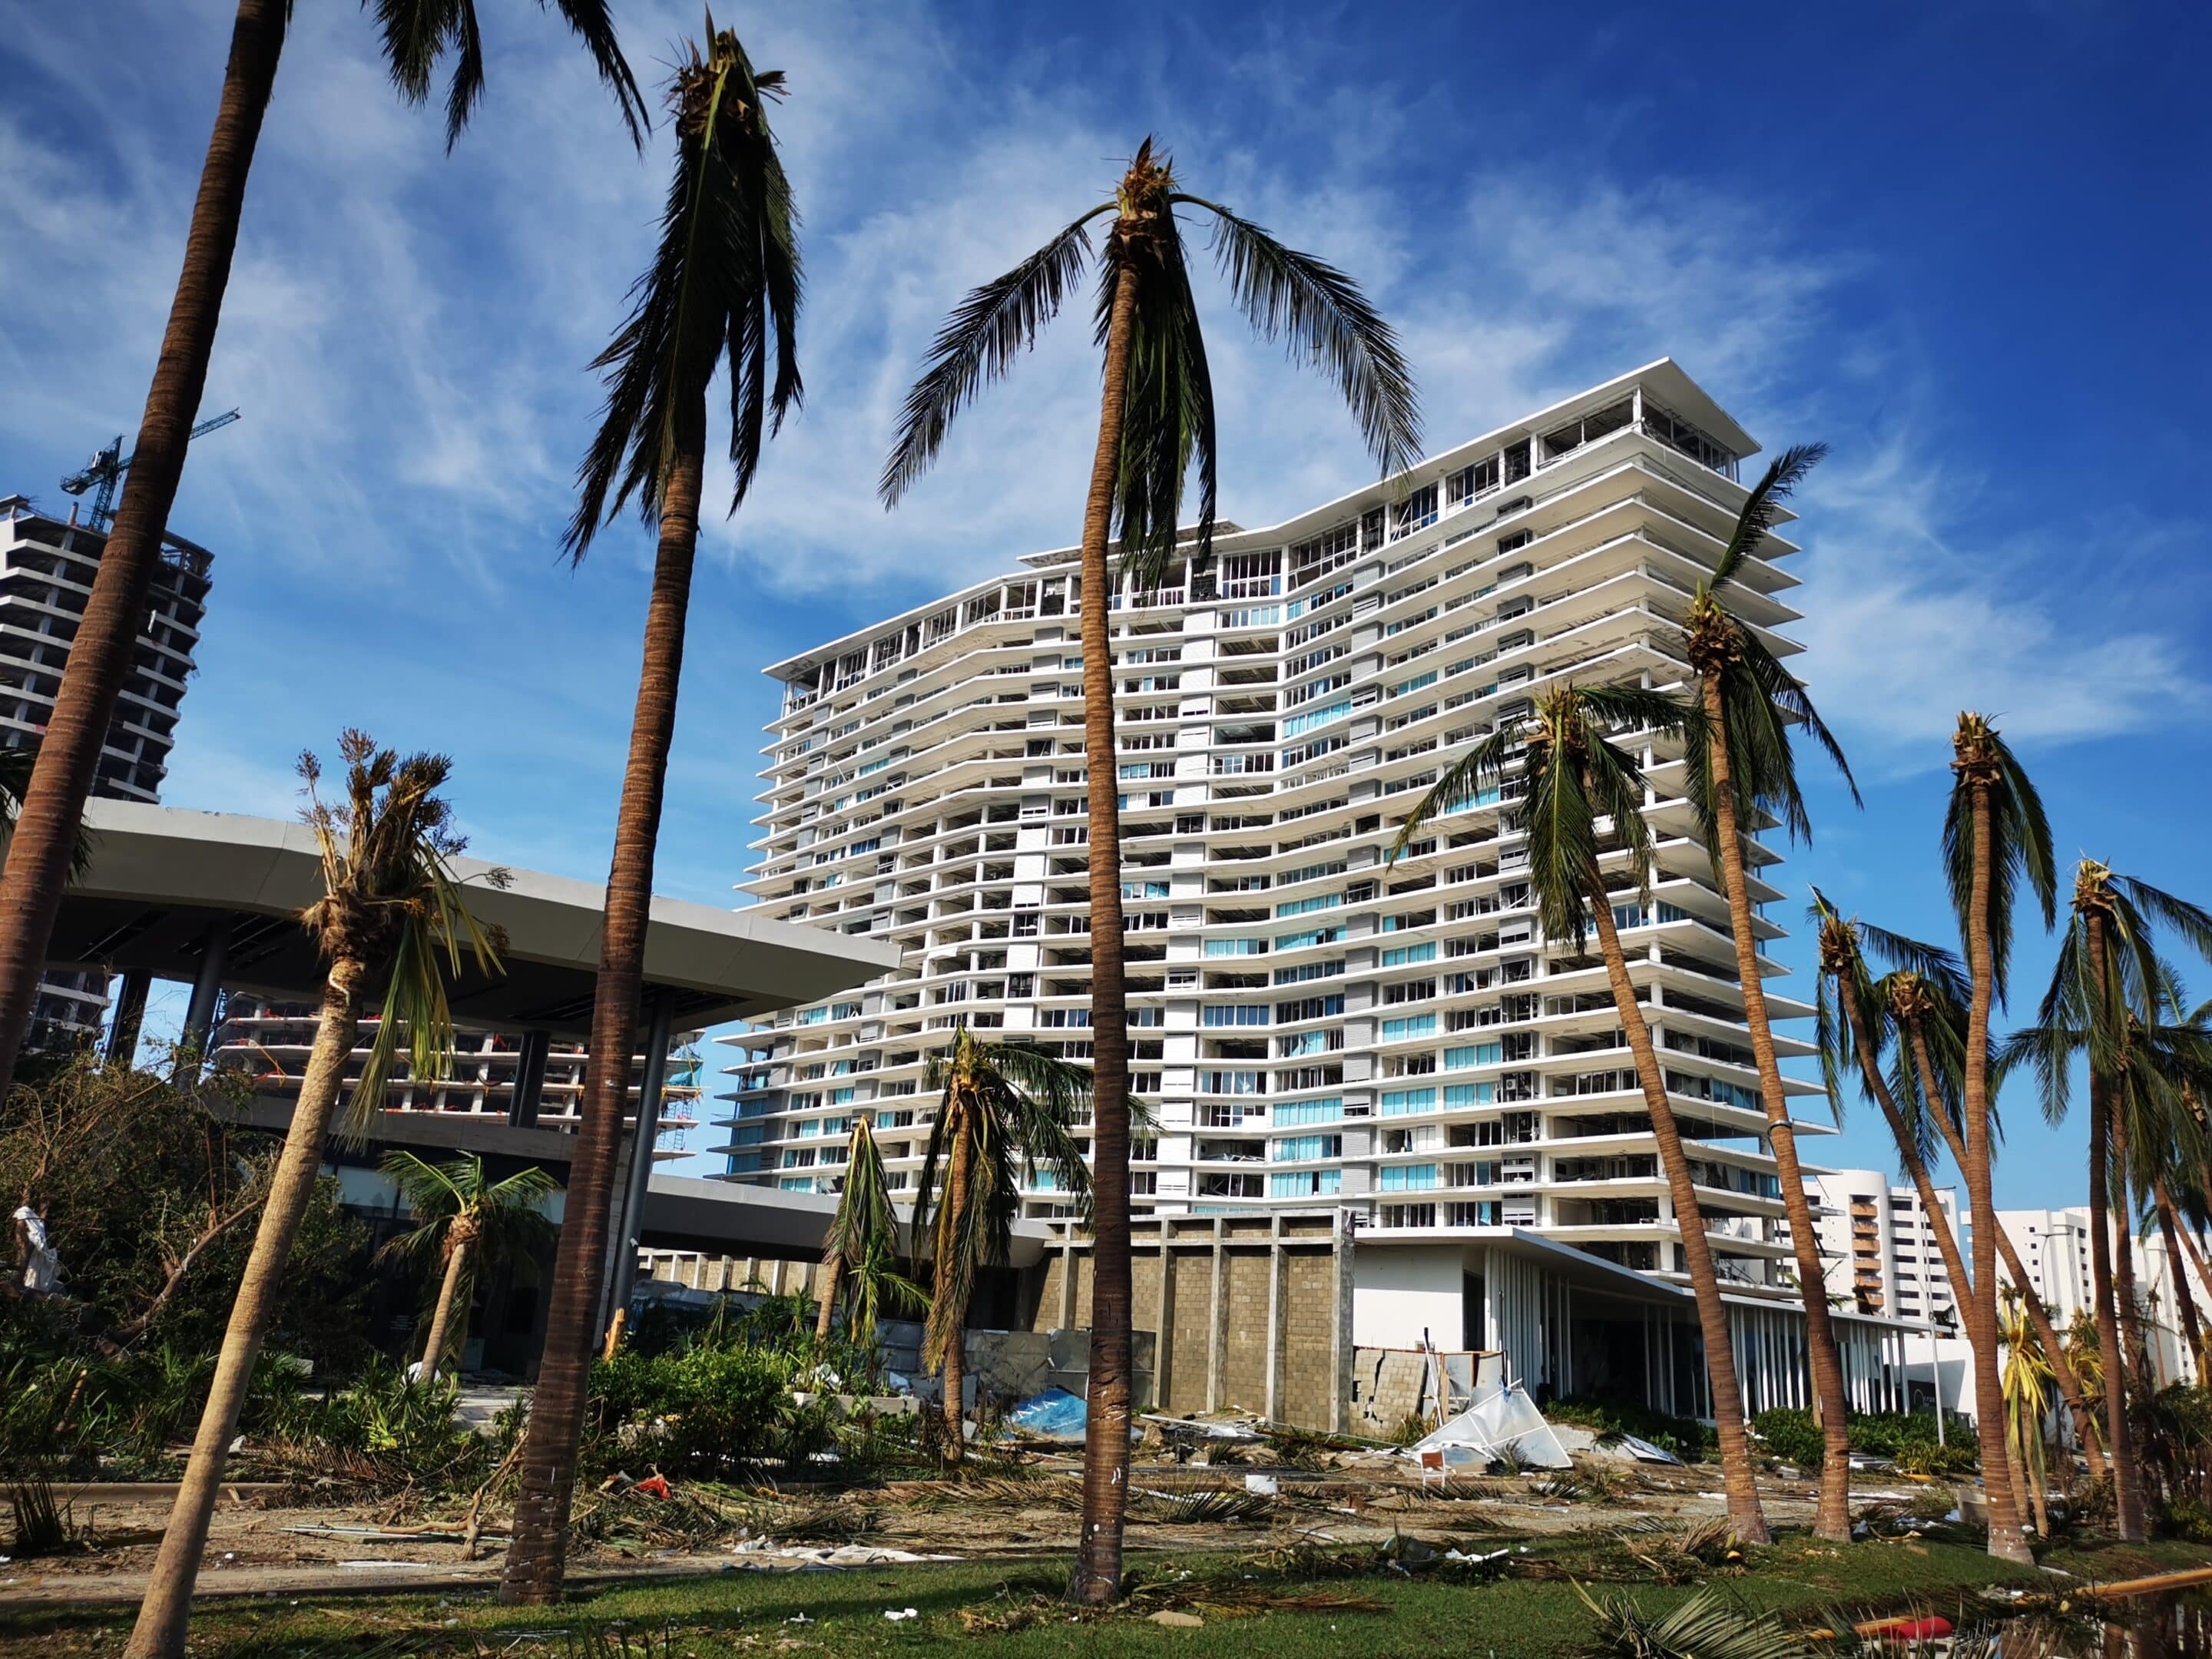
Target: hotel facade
(1315, 1025)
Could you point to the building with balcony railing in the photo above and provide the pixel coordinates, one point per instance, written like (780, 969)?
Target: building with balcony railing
(1879, 1247)
(1314, 1024)
(46, 569)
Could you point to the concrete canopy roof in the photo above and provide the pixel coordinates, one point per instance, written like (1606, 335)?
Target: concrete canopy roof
(162, 879)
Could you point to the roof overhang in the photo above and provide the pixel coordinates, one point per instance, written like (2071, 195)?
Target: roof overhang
(161, 879)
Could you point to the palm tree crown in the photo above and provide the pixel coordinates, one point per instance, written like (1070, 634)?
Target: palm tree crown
(1168, 420)
(419, 33)
(725, 280)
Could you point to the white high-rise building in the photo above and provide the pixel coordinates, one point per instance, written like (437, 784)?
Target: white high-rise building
(1313, 1026)
(1879, 1247)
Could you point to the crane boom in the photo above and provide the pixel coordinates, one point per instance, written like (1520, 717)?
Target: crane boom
(104, 475)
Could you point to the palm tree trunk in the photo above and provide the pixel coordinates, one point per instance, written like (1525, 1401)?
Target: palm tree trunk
(1831, 1518)
(2006, 1541)
(2069, 1380)
(106, 641)
(2178, 1238)
(2185, 1304)
(1109, 1393)
(434, 1345)
(832, 1270)
(959, 1192)
(538, 1556)
(2127, 1478)
(1738, 1478)
(2132, 1343)
(162, 1617)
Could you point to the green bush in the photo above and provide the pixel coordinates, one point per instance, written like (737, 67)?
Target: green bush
(1685, 1436)
(1944, 1463)
(1790, 1433)
(406, 1429)
(697, 1410)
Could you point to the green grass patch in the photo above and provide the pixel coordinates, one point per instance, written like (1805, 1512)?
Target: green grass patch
(843, 1613)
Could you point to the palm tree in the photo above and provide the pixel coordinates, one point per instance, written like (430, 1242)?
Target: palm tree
(863, 1234)
(1156, 415)
(725, 280)
(1007, 1107)
(1995, 835)
(465, 1224)
(1575, 774)
(1747, 765)
(417, 34)
(2027, 1378)
(1928, 1090)
(391, 904)
(2107, 991)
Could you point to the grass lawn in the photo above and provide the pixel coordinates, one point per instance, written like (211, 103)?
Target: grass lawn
(843, 1613)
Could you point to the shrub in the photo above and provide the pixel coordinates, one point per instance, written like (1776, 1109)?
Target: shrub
(1685, 1436)
(696, 1410)
(1944, 1463)
(1790, 1433)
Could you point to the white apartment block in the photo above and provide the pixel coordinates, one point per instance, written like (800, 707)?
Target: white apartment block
(46, 567)
(1314, 1027)
(2054, 1249)
(1879, 1247)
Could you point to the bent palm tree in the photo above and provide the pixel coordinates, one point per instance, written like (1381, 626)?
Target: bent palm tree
(1156, 417)
(2027, 1378)
(391, 904)
(1995, 835)
(863, 1234)
(1747, 764)
(725, 279)
(416, 34)
(1575, 775)
(1006, 1108)
(2107, 990)
(1927, 1081)
(466, 1224)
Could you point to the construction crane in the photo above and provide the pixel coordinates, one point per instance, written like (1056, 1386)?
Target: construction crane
(104, 474)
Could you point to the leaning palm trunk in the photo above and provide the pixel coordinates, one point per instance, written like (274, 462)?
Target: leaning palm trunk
(2185, 1300)
(442, 1319)
(950, 1312)
(106, 645)
(538, 1556)
(825, 1315)
(1737, 1477)
(1111, 1388)
(2039, 1316)
(162, 1617)
(2126, 1488)
(1831, 1519)
(2005, 1539)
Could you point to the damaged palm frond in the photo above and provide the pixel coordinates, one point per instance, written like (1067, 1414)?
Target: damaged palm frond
(1708, 1626)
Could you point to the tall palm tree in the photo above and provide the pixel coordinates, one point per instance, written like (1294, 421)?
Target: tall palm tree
(466, 1224)
(1575, 775)
(1156, 417)
(1995, 835)
(2108, 990)
(1928, 1089)
(724, 282)
(863, 1234)
(417, 34)
(1007, 1107)
(391, 904)
(1746, 766)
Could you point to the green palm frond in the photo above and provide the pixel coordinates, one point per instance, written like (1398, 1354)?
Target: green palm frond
(986, 331)
(417, 33)
(506, 1218)
(1167, 415)
(1708, 1626)
(391, 898)
(1762, 509)
(726, 281)
(1326, 322)
(2019, 841)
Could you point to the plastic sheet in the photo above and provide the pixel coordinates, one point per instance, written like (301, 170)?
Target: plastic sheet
(1054, 1413)
(1507, 1420)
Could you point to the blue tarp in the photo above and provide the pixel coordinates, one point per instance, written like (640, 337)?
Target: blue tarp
(1055, 1413)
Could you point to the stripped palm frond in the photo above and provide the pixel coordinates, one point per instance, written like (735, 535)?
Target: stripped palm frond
(417, 33)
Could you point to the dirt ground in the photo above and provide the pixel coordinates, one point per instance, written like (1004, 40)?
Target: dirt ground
(257, 1546)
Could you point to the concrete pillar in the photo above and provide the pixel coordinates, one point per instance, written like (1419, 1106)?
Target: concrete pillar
(1217, 1324)
(529, 1080)
(130, 1015)
(1164, 1341)
(644, 1131)
(1274, 1409)
(206, 986)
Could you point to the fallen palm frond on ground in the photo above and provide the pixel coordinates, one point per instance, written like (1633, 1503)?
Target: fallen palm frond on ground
(1709, 1626)
(1219, 1508)
(1024, 1607)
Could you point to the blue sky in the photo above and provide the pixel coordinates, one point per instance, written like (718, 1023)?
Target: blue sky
(1964, 244)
